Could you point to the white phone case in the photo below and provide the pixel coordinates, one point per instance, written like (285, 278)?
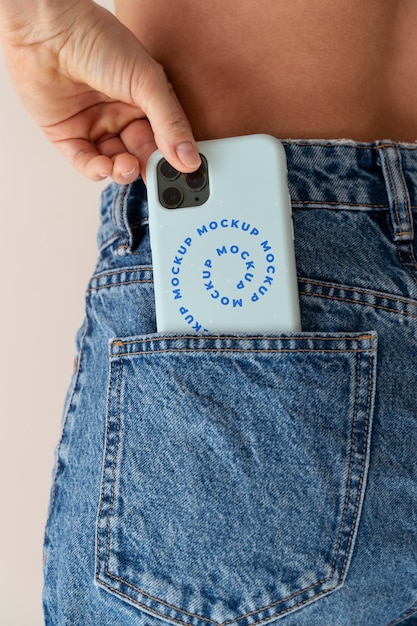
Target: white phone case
(227, 265)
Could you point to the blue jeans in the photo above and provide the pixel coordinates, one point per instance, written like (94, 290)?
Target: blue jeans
(245, 479)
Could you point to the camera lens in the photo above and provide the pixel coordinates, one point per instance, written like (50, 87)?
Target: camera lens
(197, 180)
(167, 171)
(172, 197)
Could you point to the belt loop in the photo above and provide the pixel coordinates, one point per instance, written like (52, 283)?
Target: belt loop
(120, 220)
(397, 192)
(130, 214)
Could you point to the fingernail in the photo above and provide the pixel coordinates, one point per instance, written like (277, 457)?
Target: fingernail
(130, 173)
(188, 154)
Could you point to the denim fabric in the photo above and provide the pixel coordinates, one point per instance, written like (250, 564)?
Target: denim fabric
(249, 479)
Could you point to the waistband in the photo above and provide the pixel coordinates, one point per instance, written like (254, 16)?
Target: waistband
(342, 174)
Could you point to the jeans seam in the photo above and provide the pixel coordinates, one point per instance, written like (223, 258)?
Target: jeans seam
(123, 270)
(246, 351)
(347, 144)
(119, 385)
(352, 443)
(395, 193)
(341, 203)
(118, 200)
(405, 193)
(120, 343)
(411, 262)
(366, 292)
(100, 508)
(409, 613)
(65, 420)
(374, 306)
(119, 284)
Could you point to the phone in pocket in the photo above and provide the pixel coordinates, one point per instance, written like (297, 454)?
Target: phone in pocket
(222, 240)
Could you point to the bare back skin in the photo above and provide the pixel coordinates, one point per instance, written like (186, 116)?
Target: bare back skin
(299, 69)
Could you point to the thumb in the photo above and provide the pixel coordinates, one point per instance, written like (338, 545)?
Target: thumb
(171, 128)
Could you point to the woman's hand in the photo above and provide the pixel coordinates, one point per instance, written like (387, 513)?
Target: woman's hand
(94, 90)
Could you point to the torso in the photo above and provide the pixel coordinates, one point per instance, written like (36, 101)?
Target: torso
(299, 69)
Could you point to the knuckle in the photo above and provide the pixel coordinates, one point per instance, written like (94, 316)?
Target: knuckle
(177, 124)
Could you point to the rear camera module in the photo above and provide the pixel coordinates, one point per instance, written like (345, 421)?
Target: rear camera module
(177, 190)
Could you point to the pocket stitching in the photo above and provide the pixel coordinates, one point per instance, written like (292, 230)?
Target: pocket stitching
(119, 344)
(119, 361)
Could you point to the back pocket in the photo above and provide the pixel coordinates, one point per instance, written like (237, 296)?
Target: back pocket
(234, 472)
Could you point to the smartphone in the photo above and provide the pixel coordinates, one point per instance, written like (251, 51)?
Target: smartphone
(222, 240)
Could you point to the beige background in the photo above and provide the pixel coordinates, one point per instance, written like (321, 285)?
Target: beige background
(48, 223)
